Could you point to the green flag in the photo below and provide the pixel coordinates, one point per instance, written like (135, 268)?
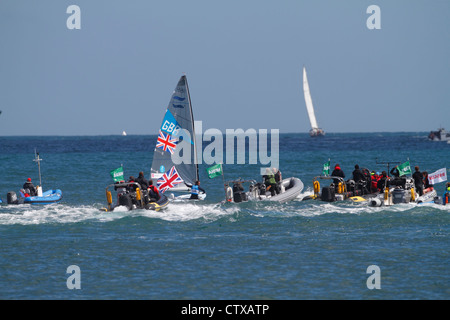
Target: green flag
(214, 171)
(117, 174)
(326, 168)
(404, 168)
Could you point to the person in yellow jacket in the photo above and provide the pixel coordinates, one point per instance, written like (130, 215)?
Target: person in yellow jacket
(270, 182)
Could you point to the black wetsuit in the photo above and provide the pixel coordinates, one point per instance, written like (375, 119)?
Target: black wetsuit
(142, 182)
(338, 173)
(418, 182)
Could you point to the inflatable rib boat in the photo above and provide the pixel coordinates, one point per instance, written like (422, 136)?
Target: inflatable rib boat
(399, 195)
(47, 197)
(131, 196)
(235, 192)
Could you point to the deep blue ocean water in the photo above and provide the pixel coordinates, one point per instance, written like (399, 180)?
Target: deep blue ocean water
(210, 250)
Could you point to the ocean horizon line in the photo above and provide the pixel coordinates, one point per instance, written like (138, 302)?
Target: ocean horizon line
(154, 134)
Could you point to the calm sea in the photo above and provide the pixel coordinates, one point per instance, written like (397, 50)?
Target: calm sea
(214, 251)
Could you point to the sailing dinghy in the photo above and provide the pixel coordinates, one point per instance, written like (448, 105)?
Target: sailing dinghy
(176, 131)
(315, 130)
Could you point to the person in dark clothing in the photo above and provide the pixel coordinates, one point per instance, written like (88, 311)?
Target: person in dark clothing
(383, 181)
(28, 185)
(337, 172)
(278, 179)
(358, 175)
(394, 172)
(142, 181)
(238, 192)
(237, 187)
(132, 187)
(153, 191)
(418, 180)
(360, 179)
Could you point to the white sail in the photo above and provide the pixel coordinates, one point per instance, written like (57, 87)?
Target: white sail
(308, 101)
(315, 130)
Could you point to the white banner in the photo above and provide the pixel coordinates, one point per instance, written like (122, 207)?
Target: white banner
(438, 176)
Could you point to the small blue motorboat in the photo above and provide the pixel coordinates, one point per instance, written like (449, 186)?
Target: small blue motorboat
(47, 197)
(37, 196)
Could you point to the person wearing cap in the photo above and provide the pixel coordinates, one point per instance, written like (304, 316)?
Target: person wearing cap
(337, 172)
(28, 186)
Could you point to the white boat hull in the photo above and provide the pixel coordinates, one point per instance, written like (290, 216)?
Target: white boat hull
(381, 201)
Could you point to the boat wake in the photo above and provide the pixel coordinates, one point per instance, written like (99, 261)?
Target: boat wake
(207, 212)
(62, 214)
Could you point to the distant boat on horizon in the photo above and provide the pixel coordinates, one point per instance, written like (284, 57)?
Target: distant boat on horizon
(124, 133)
(315, 130)
(439, 135)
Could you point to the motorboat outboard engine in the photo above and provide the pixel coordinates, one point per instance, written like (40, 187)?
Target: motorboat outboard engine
(376, 202)
(125, 200)
(400, 196)
(240, 196)
(238, 193)
(328, 194)
(11, 198)
(254, 191)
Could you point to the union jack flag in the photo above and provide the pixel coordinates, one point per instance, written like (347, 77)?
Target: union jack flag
(169, 180)
(166, 142)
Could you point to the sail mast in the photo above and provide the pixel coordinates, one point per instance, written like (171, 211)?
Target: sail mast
(38, 160)
(194, 137)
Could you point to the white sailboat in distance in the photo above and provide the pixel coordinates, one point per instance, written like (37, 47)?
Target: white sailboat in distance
(315, 130)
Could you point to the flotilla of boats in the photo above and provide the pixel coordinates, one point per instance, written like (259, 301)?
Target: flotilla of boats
(181, 181)
(393, 190)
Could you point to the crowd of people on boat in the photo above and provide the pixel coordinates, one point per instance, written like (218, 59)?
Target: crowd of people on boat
(375, 182)
(149, 191)
(271, 182)
(126, 191)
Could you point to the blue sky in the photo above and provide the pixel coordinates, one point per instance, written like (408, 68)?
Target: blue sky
(243, 61)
